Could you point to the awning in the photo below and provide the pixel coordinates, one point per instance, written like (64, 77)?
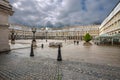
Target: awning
(116, 35)
(104, 36)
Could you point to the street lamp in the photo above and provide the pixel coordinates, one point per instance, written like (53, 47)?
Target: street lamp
(33, 40)
(82, 35)
(13, 36)
(46, 31)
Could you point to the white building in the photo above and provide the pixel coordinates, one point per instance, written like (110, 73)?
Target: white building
(74, 32)
(111, 25)
(20, 31)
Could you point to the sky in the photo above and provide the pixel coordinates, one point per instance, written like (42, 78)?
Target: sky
(60, 13)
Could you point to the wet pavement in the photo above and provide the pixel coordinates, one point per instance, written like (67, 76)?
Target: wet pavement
(79, 62)
(108, 55)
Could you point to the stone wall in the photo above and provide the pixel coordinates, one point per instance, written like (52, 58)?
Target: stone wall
(5, 11)
(4, 45)
(3, 18)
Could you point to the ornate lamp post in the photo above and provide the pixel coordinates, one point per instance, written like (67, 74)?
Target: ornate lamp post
(46, 31)
(13, 36)
(82, 35)
(34, 40)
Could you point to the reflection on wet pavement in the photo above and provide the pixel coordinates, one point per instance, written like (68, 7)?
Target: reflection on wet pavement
(108, 55)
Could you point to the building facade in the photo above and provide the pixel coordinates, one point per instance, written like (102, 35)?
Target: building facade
(111, 25)
(69, 33)
(5, 11)
(20, 31)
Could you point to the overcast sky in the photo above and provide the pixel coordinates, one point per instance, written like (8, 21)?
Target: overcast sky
(57, 13)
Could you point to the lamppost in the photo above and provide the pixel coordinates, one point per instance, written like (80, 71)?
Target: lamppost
(46, 31)
(13, 36)
(82, 35)
(33, 40)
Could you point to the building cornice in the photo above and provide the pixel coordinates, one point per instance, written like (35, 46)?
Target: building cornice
(4, 25)
(114, 11)
(6, 7)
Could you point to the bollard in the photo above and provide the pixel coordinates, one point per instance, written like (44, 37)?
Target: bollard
(42, 45)
(59, 58)
(32, 52)
(77, 42)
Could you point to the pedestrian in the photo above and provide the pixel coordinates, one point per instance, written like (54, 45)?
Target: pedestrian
(42, 45)
(74, 42)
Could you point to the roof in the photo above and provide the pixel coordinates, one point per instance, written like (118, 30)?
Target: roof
(103, 36)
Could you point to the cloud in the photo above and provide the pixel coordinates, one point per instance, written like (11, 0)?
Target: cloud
(57, 13)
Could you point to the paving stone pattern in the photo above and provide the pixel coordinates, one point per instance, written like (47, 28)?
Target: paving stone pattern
(14, 67)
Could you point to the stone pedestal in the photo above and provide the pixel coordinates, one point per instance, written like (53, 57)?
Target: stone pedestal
(12, 41)
(34, 43)
(5, 11)
(4, 44)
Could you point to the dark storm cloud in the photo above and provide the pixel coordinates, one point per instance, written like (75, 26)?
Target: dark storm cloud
(60, 12)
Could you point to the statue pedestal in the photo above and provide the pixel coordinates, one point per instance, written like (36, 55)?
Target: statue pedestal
(12, 41)
(5, 11)
(4, 42)
(34, 43)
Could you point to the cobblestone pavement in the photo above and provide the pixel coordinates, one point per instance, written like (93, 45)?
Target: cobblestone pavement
(15, 67)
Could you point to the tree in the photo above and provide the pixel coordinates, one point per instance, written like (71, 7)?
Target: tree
(87, 37)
